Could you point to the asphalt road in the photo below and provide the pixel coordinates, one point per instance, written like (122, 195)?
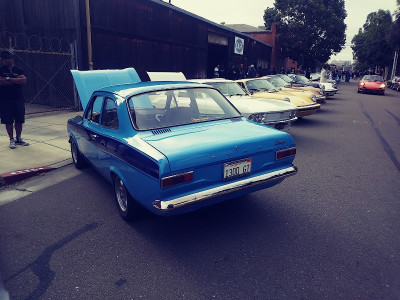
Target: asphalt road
(330, 232)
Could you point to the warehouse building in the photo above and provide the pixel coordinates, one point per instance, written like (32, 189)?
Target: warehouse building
(52, 36)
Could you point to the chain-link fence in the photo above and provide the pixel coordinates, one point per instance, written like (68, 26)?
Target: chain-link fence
(47, 63)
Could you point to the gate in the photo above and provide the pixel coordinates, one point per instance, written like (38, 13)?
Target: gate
(46, 63)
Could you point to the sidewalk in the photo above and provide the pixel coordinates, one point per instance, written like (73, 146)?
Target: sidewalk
(48, 149)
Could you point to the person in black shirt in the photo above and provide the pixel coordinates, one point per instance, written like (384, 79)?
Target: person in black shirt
(12, 103)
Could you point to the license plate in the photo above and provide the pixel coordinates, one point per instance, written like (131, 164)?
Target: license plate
(237, 168)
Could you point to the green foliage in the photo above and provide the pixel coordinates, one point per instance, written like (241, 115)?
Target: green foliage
(310, 31)
(370, 45)
(394, 33)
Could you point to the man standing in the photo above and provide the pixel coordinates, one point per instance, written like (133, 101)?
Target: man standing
(324, 74)
(251, 73)
(12, 100)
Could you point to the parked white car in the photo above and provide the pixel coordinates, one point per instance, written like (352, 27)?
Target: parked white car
(327, 88)
(273, 113)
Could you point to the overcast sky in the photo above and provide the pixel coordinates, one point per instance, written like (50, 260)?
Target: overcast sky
(251, 12)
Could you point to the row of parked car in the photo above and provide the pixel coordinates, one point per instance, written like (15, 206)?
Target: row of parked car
(173, 145)
(260, 99)
(394, 83)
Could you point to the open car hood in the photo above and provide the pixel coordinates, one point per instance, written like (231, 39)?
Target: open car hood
(87, 82)
(166, 76)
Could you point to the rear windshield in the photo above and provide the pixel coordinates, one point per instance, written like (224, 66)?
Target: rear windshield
(373, 78)
(168, 108)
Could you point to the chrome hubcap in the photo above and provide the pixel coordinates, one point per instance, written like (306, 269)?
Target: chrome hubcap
(121, 193)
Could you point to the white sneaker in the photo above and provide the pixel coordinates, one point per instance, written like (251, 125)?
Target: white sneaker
(12, 144)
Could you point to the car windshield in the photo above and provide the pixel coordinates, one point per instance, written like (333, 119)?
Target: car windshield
(278, 82)
(168, 108)
(315, 76)
(260, 85)
(228, 88)
(286, 78)
(373, 78)
(302, 79)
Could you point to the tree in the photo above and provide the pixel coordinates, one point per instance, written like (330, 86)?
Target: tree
(310, 31)
(370, 45)
(394, 33)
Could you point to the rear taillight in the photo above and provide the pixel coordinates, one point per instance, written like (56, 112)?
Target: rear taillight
(285, 153)
(176, 179)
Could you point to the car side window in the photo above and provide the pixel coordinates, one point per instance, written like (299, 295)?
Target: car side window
(109, 116)
(94, 111)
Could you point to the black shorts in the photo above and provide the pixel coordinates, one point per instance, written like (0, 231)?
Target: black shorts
(12, 111)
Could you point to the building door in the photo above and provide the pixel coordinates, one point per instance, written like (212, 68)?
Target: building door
(217, 53)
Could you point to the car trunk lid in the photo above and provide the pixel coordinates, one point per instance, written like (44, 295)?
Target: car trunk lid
(214, 142)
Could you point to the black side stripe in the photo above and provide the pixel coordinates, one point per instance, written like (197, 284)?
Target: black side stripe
(116, 148)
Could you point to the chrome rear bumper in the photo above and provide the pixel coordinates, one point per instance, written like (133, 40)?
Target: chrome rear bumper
(166, 206)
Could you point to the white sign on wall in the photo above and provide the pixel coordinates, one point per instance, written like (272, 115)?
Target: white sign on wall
(239, 45)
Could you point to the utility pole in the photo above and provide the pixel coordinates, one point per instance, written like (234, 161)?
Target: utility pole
(396, 56)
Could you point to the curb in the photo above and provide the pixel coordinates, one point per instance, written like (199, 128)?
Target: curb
(15, 176)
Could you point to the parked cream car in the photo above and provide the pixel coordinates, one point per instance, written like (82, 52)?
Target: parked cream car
(270, 112)
(261, 88)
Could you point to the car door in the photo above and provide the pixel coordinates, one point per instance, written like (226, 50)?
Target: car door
(91, 123)
(107, 142)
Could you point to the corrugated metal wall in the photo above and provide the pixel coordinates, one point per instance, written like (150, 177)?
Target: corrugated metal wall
(145, 34)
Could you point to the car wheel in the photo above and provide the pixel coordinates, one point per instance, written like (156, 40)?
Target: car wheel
(77, 157)
(127, 207)
(358, 91)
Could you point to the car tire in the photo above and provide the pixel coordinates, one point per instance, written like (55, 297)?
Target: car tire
(358, 91)
(77, 158)
(127, 207)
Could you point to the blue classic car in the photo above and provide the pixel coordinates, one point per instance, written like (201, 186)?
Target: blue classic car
(172, 147)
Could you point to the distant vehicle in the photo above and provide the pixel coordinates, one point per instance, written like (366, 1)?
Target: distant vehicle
(372, 84)
(327, 88)
(394, 84)
(172, 147)
(317, 77)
